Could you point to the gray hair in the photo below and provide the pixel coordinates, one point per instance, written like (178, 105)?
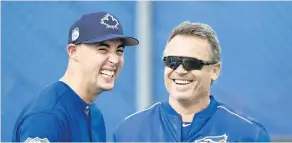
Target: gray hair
(199, 30)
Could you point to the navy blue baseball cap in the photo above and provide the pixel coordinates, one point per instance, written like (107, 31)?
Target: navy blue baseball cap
(98, 27)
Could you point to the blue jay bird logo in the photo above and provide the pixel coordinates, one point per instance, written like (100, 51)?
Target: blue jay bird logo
(109, 21)
(213, 139)
(36, 140)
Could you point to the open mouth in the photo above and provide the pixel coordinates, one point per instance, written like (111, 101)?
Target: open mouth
(107, 73)
(182, 82)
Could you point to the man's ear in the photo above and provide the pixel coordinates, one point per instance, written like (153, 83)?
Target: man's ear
(215, 71)
(72, 52)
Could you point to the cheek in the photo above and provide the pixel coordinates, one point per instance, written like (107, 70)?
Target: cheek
(97, 61)
(121, 61)
(167, 73)
(202, 77)
(85, 64)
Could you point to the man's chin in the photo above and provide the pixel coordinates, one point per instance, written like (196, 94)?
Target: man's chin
(107, 87)
(181, 96)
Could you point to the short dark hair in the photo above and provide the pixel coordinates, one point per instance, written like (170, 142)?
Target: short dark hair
(199, 30)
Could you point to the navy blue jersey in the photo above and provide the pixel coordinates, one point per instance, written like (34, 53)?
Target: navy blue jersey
(216, 123)
(58, 114)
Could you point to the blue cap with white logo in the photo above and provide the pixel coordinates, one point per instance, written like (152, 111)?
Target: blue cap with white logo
(98, 27)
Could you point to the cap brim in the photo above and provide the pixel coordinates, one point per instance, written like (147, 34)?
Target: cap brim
(127, 41)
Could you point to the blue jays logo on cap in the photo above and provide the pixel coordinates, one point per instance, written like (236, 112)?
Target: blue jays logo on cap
(213, 139)
(75, 34)
(109, 21)
(97, 27)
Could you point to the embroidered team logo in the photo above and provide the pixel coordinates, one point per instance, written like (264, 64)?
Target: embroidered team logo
(75, 34)
(36, 140)
(109, 21)
(213, 139)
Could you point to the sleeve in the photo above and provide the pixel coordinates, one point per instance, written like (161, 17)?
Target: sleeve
(263, 136)
(114, 138)
(43, 127)
(116, 134)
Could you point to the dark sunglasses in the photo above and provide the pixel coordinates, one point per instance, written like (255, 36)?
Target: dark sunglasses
(187, 62)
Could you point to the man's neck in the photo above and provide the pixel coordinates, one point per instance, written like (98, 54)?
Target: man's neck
(81, 88)
(187, 109)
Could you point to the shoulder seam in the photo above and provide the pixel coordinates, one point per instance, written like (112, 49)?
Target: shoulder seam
(58, 100)
(142, 110)
(230, 112)
(53, 107)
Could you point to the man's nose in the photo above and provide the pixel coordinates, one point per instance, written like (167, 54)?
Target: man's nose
(113, 58)
(180, 69)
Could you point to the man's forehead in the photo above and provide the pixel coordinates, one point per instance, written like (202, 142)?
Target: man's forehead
(187, 51)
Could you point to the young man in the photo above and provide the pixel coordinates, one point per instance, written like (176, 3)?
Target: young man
(62, 111)
(192, 60)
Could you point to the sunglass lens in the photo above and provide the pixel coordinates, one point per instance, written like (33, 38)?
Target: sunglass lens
(171, 62)
(192, 64)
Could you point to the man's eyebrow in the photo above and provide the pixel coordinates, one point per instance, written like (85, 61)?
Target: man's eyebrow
(121, 45)
(102, 44)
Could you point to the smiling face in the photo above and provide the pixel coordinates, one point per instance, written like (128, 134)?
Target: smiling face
(189, 85)
(99, 64)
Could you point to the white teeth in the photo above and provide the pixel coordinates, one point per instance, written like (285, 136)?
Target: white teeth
(182, 81)
(107, 73)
